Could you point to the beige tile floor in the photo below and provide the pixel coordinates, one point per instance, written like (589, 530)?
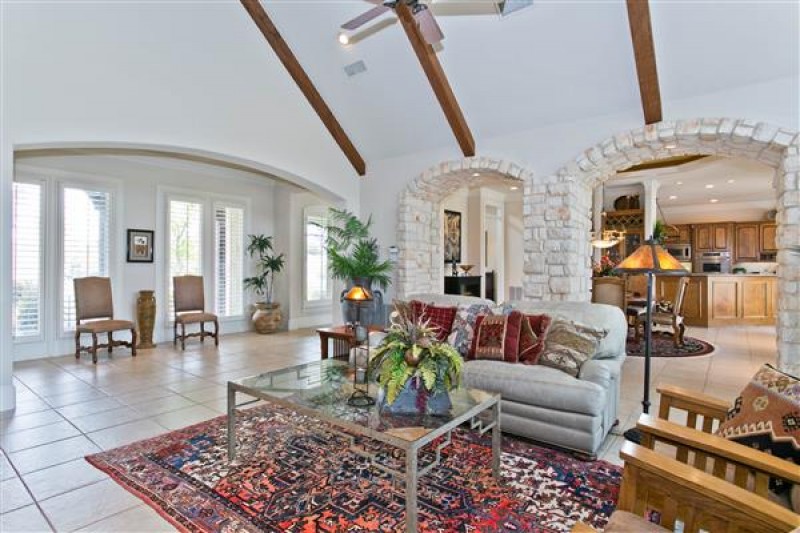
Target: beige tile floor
(67, 409)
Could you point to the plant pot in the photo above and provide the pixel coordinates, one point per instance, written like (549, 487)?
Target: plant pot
(267, 318)
(414, 400)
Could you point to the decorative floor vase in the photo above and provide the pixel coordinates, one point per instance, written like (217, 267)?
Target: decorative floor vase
(415, 401)
(145, 318)
(267, 318)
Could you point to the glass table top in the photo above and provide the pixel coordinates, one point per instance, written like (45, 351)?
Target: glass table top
(322, 388)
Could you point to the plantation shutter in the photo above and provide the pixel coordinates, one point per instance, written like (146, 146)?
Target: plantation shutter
(318, 286)
(185, 242)
(229, 260)
(27, 260)
(85, 242)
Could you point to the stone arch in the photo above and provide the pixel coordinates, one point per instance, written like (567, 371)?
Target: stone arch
(557, 221)
(419, 225)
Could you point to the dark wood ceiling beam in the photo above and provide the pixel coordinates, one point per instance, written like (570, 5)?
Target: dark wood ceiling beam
(438, 80)
(645, 54)
(304, 83)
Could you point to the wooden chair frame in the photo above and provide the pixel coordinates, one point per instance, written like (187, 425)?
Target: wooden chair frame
(107, 316)
(675, 318)
(678, 492)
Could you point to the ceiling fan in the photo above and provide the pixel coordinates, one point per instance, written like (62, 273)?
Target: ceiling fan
(422, 14)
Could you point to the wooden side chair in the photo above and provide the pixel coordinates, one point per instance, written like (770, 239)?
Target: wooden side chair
(94, 314)
(673, 319)
(190, 305)
(657, 488)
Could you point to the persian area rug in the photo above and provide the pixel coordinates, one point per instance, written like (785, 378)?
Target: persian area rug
(664, 346)
(295, 474)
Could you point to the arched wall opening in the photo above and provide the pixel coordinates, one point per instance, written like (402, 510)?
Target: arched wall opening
(557, 207)
(420, 228)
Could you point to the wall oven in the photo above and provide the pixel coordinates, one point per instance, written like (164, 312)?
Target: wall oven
(680, 251)
(713, 262)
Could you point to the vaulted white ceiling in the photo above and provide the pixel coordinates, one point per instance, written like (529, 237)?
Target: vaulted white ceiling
(145, 68)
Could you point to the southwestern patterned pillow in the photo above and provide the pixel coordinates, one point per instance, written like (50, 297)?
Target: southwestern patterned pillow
(766, 416)
(568, 345)
(497, 337)
(440, 318)
(531, 338)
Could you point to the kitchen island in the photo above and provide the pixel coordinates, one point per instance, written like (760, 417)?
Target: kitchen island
(724, 299)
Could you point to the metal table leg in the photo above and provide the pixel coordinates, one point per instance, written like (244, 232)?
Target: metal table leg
(231, 422)
(497, 441)
(411, 491)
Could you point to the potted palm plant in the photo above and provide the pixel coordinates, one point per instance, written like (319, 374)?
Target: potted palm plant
(353, 257)
(415, 371)
(267, 316)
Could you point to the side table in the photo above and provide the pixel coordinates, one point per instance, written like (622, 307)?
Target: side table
(343, 337)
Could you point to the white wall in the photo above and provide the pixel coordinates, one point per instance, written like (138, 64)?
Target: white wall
(140, 192)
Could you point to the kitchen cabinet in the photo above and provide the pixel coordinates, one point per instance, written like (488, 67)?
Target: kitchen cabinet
(768, 237)
(713, 237)
(679, 234)
(747, 247)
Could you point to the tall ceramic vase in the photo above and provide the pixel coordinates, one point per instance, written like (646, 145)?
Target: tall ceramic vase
(145, 318)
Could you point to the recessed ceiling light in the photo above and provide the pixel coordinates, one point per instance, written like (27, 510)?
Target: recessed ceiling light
(710, 186)
(514, 187)
(476, 174)
(713, 200)
(731, 181)
(344, 38)
(673, 197)
(678, 183)
(670, 146)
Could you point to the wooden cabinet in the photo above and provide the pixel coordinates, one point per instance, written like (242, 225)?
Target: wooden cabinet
(702, 238)
(713, 237)
(768, 237)
(680, 233)
(747, 247)
(758, 298)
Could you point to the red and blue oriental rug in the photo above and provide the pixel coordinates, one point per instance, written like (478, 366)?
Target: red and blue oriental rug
(294, 474)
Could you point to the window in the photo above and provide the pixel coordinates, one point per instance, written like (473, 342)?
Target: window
(85, 240)
(27, 260)
(228, 260)
(317, 284)
(185, 242)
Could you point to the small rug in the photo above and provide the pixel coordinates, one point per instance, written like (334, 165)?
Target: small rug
(294, 474)
(664, 346)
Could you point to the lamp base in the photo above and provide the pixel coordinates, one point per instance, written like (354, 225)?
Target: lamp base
(633, 435)
(359, 398)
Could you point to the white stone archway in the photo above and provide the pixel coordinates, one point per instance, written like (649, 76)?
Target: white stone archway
(419, 226)
(557, 220)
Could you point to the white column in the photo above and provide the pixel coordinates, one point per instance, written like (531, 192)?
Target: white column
(597, 218)
(650, 205)
(7, 392)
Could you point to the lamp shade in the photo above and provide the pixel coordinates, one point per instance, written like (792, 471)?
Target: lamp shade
(650, 257)
(358, 294)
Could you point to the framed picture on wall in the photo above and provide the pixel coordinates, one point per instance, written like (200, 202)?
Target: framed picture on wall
(452, 236)
(140, 246)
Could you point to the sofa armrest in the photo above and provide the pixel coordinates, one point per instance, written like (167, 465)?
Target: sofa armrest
(745, 461)
(598, 371)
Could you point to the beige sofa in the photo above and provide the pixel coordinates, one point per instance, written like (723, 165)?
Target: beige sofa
(546, 404)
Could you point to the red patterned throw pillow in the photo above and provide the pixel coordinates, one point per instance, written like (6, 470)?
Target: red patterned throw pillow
(440, 318)
(497, 337)
(531, 338)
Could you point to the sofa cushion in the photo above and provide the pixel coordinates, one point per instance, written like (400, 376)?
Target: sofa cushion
(568, 345)
(536, 385)
(531, 339)
(464, 326)
(766, 416)
(440, 318)
(497, 337)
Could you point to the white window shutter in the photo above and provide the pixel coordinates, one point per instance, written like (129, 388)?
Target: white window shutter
(27, 260)
(229, 260)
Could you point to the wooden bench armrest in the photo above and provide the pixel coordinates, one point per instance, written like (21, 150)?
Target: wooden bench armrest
(692, 401)
(669, 474)
(712, 445)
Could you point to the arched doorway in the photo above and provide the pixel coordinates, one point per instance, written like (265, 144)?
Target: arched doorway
(420, 266)
(557, 221)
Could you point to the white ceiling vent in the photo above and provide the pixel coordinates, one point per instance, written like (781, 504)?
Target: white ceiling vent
(355, 68)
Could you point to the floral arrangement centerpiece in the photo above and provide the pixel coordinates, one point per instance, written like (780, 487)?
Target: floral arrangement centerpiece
(414, 370)
(604, 267)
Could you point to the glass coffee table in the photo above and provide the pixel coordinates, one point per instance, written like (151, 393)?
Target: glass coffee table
(320, 389)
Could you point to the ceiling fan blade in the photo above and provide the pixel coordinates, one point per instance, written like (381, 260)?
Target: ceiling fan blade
(363, 18)
(428, 26)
